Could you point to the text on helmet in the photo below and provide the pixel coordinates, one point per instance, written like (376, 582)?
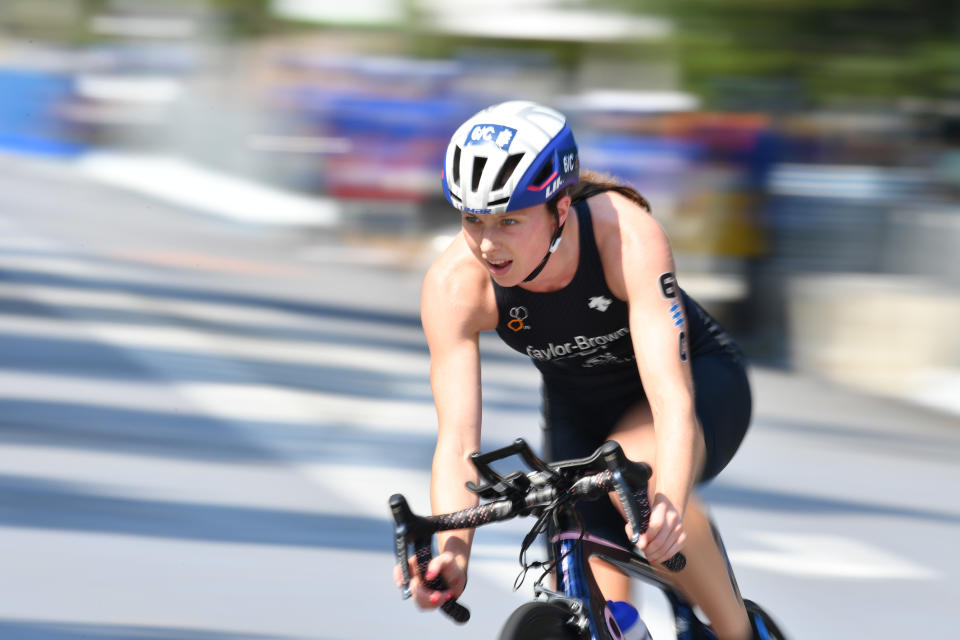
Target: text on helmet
(491, 134)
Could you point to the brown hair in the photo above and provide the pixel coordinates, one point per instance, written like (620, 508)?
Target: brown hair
(591, 183)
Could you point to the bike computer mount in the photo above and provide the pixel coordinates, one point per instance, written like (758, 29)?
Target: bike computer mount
(514, 485)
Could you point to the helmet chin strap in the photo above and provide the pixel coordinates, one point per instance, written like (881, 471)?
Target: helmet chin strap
(554, 243)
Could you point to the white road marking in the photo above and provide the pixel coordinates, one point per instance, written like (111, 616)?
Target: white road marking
(65, 266)
(24, 242)
(264, 349)
(226, 312)
(207, 190)
(232, 402)
(197, 341)
(937, 388)
(826, 556)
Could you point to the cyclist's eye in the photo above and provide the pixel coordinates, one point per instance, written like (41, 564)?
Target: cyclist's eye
(508, 222)
(471, 219)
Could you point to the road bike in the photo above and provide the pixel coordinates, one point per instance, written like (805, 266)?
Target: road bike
(575, 609)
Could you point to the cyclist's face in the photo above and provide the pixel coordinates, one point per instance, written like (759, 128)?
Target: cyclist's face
(510, 245)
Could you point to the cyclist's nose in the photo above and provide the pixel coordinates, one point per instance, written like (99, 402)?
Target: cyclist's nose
(487, 243)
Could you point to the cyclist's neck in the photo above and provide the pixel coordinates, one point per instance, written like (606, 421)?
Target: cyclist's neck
(562, 265)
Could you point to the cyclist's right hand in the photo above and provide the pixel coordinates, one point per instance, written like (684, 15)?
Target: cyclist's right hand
(446, 566)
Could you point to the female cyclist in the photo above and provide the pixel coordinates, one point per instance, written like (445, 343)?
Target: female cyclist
(572, 270)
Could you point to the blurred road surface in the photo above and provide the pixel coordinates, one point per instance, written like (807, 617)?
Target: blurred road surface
(201, 422)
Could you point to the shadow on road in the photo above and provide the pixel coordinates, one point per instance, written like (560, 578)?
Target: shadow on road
(756, 499)
(30, 630)
(49, 504)
(188, 436)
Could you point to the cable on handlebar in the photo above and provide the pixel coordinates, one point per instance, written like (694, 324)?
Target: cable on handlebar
(535, 531)
(550, 511)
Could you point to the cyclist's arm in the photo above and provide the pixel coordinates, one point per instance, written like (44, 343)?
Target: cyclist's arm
(455, 307)
(644, 258)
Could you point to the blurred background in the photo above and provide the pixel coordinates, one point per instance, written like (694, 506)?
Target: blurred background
(804, 157)
(230, 203)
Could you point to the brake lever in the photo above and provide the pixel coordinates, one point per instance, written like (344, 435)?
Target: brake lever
(638, 515)
(615, 460)
(401, 514)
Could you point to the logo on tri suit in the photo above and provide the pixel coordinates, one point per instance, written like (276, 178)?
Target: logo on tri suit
(519, 314)
(600, 303)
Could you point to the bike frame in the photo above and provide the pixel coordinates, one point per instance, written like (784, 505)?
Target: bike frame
(580, 594)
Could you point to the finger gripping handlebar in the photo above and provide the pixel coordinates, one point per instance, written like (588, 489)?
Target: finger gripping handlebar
(678, 561)
(459, 613)
(637, 508)
(633, 495)
(419, 530)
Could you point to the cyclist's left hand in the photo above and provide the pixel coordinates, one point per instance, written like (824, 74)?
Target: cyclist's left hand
(444, 565)
(665, 535)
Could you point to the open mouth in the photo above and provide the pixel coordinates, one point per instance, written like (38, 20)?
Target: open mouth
(499, 267)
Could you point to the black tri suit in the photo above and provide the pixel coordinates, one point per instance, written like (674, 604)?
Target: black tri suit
(579, 339)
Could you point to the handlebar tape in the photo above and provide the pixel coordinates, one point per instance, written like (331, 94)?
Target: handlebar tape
(675, 563)
(457, 612)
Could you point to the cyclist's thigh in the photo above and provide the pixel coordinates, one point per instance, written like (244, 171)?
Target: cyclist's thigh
(573, 430)
(723, 404)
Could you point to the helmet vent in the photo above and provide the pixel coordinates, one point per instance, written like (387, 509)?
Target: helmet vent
(494, 203)
(478, 164)
(545, 172)
(456, 166)
(507, 170)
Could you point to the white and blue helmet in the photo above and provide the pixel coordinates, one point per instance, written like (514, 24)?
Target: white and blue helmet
(512, 155)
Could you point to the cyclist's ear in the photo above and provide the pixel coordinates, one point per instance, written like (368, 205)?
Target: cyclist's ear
(563, 209)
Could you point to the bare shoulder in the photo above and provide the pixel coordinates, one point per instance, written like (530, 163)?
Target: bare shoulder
(626, 233)
(617, 219)
(457, 293)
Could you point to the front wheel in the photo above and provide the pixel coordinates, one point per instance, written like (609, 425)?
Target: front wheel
(539, 621)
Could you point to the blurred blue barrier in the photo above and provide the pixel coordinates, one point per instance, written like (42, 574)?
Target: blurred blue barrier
(361, 114)
(29, 122)
(659, 163)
